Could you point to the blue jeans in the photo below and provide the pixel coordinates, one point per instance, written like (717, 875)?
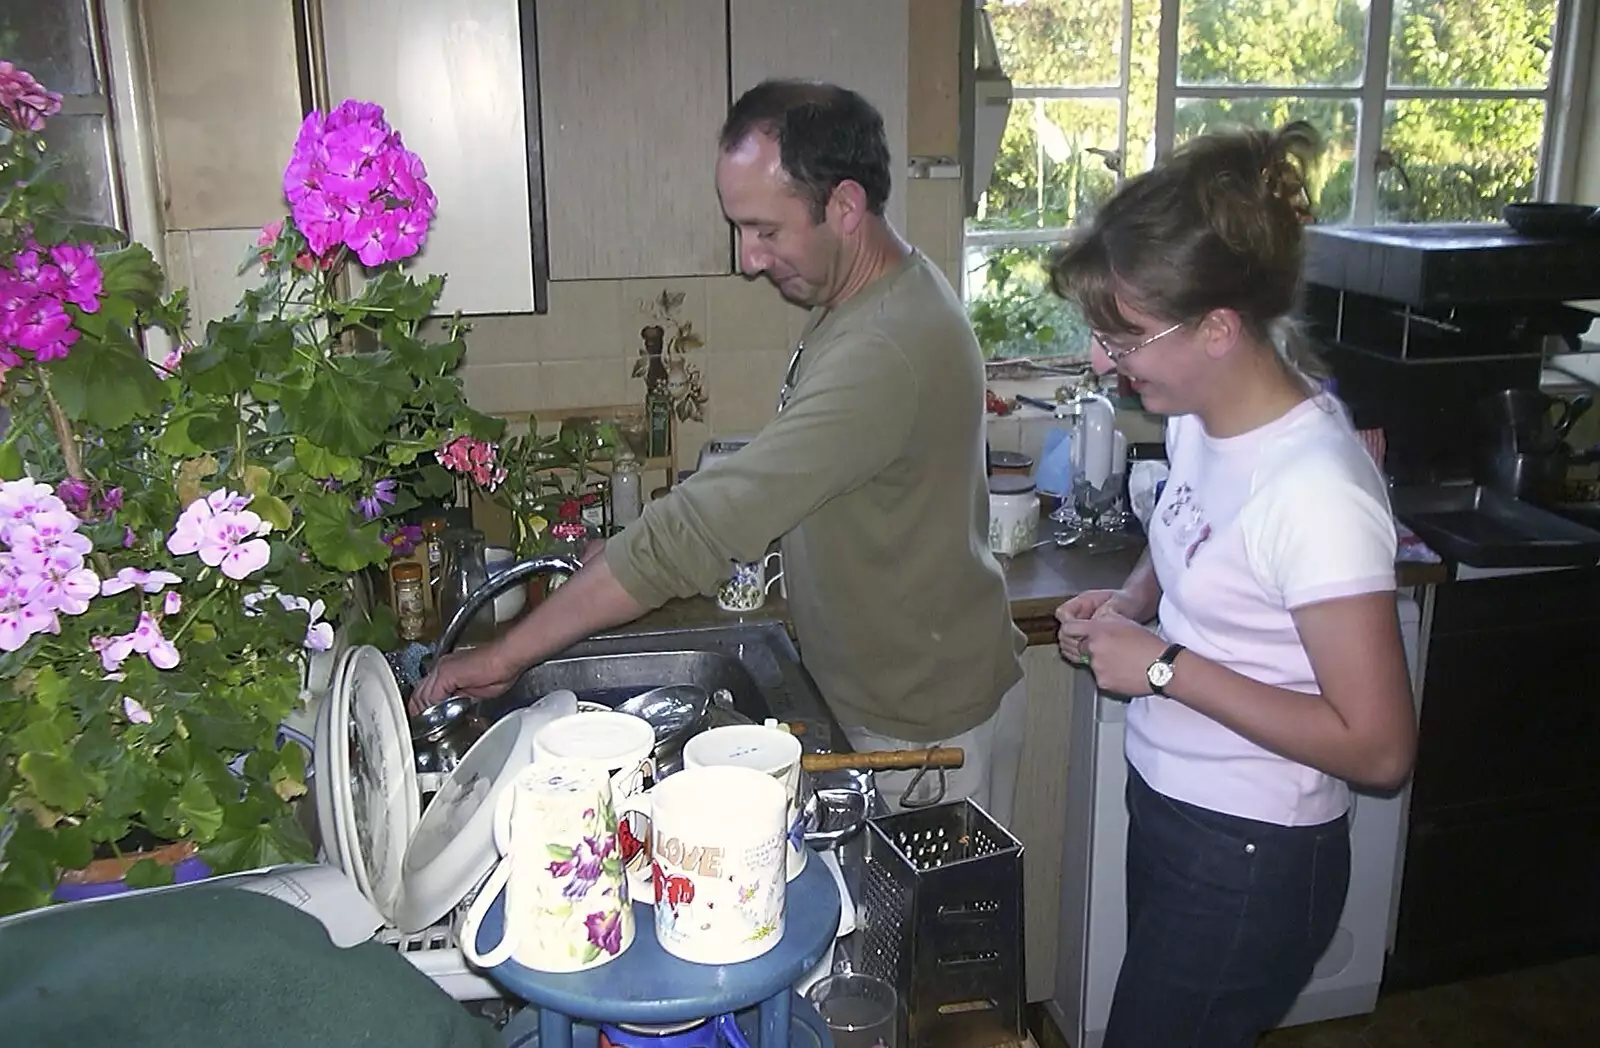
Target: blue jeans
(1226, 919)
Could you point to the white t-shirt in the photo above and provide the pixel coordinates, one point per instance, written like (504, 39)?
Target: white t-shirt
(1248, 529)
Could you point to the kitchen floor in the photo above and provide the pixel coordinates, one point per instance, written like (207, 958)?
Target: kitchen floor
(1553, 1006)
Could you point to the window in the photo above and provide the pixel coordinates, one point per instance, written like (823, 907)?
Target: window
(1443, 117)
(59, 43)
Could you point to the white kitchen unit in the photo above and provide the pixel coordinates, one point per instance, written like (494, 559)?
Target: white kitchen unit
(450, 79)
(1093, 919)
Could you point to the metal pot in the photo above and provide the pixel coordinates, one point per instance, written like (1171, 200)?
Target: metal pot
(443, 733)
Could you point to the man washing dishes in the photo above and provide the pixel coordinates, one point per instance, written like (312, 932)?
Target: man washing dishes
(872, 474)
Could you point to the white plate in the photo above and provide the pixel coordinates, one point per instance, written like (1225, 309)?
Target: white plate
(382, 779)
(323, 784)
(453, 847)
(338, 702)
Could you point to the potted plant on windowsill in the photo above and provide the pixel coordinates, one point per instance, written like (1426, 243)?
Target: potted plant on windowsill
(177, 540)
(544, 482)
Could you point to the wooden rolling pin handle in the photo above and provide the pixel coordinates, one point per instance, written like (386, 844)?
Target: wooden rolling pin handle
(940, 757)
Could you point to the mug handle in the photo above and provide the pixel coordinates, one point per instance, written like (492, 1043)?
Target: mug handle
(641, 886)
(772, 580)
(501, 951)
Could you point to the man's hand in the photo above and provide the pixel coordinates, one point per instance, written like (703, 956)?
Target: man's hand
(481, 673)
(1117, 651)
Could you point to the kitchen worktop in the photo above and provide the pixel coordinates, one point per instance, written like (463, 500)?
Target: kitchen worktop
(1037, 582)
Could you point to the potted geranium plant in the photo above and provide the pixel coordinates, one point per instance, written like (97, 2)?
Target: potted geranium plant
(177, 539)
(543, 481)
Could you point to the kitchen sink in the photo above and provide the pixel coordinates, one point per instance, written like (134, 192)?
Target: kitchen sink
(756, 664)
(613, 679)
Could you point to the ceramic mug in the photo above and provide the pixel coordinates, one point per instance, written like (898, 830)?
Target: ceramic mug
(566, 897)
(771, 751)
(718, 858)
(748, 586)
(621, 745)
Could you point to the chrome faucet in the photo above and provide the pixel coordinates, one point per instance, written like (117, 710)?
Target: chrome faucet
(516, 574)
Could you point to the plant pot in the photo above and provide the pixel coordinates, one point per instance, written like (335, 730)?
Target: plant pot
(105, 876)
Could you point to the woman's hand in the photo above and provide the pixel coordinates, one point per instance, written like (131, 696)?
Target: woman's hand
(1117, 651)
(1090, 604)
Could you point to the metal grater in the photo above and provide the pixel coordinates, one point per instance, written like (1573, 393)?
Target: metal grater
(941, 920)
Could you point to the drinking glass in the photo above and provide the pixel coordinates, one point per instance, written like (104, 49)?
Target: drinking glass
(860, 1010)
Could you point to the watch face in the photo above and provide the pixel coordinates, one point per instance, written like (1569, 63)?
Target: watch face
(1160, 674)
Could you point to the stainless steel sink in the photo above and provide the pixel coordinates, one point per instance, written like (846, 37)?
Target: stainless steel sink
(612, 679)
(757, 663)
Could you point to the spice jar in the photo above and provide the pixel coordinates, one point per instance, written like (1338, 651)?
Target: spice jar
(626, 496)
(409, 606)
(1013, 514)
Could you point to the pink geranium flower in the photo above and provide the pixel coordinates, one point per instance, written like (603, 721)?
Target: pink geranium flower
(25, 102)
(146, 640)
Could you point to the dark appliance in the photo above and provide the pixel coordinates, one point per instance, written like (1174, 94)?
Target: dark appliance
(1422, 325)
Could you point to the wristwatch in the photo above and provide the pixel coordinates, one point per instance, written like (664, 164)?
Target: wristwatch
(1160, 672)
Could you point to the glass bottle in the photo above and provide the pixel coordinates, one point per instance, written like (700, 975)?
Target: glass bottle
(463, 573)
(627, 495)
(409, 607)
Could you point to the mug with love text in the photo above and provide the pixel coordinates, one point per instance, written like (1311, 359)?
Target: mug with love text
(619, 744)
(718, 856)
(767, 749)
(567, 907)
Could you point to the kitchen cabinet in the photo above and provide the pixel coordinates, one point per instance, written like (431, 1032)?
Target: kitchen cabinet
(859, 44)
(1502, 864)
(450, 80)
(1040, 815)
(633, 93)
(223, 137)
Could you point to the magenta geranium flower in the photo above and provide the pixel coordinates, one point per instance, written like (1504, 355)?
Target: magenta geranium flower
(25, 102)
(350, 181)
(223, 533)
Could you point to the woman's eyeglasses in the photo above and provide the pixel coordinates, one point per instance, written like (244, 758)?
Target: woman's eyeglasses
(1117, 355)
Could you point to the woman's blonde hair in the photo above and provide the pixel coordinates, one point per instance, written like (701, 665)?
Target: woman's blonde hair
(1217, 225)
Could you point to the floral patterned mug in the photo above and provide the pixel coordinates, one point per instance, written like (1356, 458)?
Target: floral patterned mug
(566, 894)
(748, 586)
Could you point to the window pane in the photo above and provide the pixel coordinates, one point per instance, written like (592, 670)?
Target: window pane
(50, 39)
(1277, 42)
(1045, 43)
(1013, 310)
(1458, 160)
(1472, 43)
(1055, 164)
(1329, 183)
(78, 144)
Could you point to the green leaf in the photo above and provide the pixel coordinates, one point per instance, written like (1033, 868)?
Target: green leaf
(10, 462)
(105, 384)
(56, 780)
(131, 273)
(381, 630)
(73, 847)
(199, 808)
(147, 873)
(433, 481)
(340, 539)
(348, 409)
(250, 839)
(320, 462)
(222, 366)
(559, 852)
(175, 440)
(273, 510)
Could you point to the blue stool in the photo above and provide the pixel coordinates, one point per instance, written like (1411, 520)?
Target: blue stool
(649, 985)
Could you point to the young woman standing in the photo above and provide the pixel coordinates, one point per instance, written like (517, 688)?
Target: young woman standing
(1276, 675)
